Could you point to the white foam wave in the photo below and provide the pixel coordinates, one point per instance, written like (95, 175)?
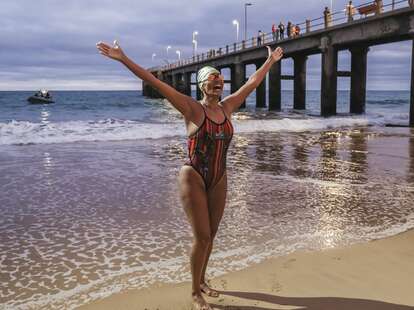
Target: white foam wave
(24, 132)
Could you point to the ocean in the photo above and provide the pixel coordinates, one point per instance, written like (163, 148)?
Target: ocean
(89, 203)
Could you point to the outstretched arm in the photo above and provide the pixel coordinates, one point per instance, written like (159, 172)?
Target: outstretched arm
(181, 102)
(234, 101)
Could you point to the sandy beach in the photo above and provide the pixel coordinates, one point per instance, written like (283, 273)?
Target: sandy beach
(374, 275)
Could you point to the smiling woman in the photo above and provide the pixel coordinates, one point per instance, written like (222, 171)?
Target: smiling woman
(202, 179)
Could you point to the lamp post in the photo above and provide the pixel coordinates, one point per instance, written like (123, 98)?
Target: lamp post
(168, 47)
(153, 55)
(194, 47)
(179, 54)
(236, 23)
(194, 42)
(245, 19)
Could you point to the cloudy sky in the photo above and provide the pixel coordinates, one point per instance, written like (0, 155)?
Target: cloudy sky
(51, 43)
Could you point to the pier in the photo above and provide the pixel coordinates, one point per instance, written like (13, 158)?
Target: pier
(378, 23)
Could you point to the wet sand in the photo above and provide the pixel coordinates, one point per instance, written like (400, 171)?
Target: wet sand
(90, 220)
(374, 275)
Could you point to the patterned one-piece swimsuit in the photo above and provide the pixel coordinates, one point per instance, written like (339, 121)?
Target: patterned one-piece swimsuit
(207, 149)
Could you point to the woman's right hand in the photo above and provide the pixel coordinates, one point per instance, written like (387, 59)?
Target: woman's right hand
(114, 51)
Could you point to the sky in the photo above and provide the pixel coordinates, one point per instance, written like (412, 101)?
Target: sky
(51, 43)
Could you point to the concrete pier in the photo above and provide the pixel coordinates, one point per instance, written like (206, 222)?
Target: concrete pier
(358, 79)
(299, 82)
(355, 36)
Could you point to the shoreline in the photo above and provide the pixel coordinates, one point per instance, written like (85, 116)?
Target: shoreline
(378, 274)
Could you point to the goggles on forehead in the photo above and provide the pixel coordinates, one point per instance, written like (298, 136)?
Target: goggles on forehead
(213, 77)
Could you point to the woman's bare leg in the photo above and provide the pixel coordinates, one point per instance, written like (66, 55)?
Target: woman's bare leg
(216, 198)
(194, 200)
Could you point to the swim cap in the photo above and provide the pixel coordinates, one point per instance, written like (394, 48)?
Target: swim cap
(203, 73)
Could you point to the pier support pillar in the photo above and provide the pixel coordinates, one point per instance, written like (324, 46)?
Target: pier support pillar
(329, 80)
(144, 89)
(199, 94)
(187, 83)
(238, 78)
(299, 82)
(275, 86)
(358, 79)
(411, 123)
(174, 81)
(261, 89)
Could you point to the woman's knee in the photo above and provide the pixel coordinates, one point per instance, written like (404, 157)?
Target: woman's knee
(203, 239)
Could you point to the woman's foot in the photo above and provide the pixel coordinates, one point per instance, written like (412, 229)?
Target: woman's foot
(199, 303)
(209, 291)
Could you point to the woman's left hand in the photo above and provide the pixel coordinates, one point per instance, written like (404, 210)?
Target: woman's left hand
(276, 55)
(115, 52)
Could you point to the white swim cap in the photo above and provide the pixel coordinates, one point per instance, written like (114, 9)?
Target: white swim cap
(203, 73)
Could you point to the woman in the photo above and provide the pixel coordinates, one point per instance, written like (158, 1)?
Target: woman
(202, 179)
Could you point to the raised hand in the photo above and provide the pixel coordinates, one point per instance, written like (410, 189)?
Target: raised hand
(276, 55)
(114, 51)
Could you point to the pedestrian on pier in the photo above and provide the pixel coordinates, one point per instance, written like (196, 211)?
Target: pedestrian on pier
(350, 11)
(202, 180)
(259, 37)
(379, 6)
(289, 29)
(281, 30)
(274, 32)
(296, 30)
(327, 17)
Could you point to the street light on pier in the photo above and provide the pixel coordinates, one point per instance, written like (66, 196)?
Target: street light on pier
(236, 23)
(153, 55)
(245, 19)
(194, 47)
(194, 42)
(168, 47)
(179, 54)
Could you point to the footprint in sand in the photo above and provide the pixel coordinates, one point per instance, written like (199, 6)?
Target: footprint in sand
(276, 287)
(288, 263)
(223, 284)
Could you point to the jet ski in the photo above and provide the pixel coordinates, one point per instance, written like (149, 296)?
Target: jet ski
(41, 96)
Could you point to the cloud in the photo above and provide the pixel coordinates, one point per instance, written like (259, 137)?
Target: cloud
(54, 41)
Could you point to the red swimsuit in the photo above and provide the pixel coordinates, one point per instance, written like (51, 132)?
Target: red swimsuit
(207, 149)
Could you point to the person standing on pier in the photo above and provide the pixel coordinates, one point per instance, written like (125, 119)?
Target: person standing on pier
(289, 29)
(259, 38)
(327, 17)
(379, 6)
(202, 180)
(275, 31)
(281, 30)
(297, 30)
(350, 11)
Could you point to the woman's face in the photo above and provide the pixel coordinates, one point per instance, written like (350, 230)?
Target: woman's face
(213, 86)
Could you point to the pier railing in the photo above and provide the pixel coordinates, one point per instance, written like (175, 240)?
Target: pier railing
(329, 19)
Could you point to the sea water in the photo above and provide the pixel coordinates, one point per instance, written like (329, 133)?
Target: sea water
(89, 203)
